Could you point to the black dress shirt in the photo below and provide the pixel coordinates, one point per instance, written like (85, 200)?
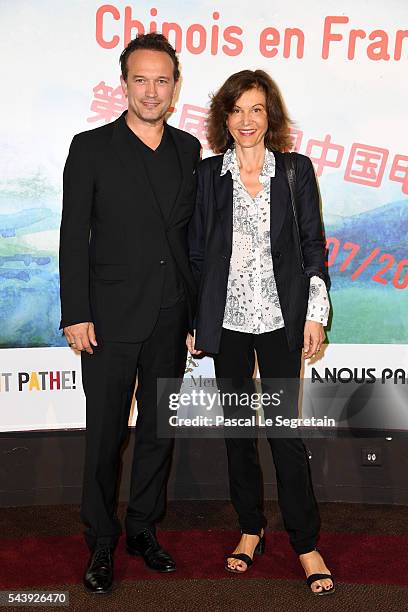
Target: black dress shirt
(164, 173)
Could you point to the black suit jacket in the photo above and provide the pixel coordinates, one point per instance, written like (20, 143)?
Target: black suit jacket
(210, 244)
(114, 240)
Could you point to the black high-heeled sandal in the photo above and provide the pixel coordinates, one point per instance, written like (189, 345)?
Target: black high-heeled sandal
(313, 577)
(259, 550)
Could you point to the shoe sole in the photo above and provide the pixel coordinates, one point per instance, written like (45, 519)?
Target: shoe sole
(134, 553)
(107, 592)
(232, 571)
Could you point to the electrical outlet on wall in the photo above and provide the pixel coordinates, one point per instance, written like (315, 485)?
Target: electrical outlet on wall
(371, 456)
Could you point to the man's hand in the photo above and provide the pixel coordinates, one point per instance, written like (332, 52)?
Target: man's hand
(81, 337)
(313, 337)
(190, 342)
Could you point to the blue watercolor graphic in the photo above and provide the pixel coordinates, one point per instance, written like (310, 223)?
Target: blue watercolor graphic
(10, 224)
(29, 282)
(364, 311)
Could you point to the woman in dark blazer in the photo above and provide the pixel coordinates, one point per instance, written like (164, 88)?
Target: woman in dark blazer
(262, 281)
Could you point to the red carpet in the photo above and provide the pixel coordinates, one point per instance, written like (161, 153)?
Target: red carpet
(355, 558)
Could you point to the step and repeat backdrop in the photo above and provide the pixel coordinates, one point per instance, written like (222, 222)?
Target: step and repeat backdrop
(342, 69)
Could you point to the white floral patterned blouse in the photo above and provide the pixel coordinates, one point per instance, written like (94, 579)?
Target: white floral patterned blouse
(252, 304)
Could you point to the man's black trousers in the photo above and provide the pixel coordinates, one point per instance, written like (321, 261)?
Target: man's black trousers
(109, 377)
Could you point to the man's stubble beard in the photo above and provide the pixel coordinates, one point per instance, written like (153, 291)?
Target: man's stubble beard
(151, 120)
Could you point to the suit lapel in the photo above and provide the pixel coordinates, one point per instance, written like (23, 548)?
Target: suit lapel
(185, 161)
(279, 198)
(223, 190)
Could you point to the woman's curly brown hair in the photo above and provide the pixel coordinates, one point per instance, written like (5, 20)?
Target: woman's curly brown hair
(277, 137)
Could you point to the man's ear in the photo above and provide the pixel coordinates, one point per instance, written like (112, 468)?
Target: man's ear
(124, 85)
(176, 93)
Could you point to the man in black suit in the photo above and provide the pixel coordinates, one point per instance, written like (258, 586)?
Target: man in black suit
(128, 296)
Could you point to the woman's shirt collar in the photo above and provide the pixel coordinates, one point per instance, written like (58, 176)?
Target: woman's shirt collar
(230, 163)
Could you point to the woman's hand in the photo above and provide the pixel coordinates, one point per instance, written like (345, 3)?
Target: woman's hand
(190, 342)
(313, 337)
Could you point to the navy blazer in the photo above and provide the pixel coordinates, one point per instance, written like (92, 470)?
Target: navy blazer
(210, 246)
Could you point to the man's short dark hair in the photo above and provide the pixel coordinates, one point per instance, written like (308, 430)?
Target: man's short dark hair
(153, 42)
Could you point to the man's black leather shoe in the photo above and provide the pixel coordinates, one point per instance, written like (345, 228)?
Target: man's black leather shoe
(99, 573)
(145, 544)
